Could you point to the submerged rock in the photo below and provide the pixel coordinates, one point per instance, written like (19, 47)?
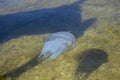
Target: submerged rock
(56, 44)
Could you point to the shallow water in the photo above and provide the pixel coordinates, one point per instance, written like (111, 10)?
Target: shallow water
(94, 23)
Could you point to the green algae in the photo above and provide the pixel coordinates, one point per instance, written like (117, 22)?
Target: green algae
(115, 32)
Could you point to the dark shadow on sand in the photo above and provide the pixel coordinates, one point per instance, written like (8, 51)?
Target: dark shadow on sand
(89, 61)
(63, 18)
(14, 74)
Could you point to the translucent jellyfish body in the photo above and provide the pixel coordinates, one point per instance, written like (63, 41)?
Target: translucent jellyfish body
(56, 44)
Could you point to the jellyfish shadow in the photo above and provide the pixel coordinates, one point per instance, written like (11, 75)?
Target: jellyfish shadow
(14, 74)
(90, 61)
(48, 20)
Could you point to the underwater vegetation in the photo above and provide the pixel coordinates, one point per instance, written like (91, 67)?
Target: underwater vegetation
(56, 44)
(115, 32)
(3, 77)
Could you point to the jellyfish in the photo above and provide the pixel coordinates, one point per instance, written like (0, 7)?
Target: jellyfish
(56, 44)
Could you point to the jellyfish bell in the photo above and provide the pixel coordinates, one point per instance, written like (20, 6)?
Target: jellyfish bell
(56, 44)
